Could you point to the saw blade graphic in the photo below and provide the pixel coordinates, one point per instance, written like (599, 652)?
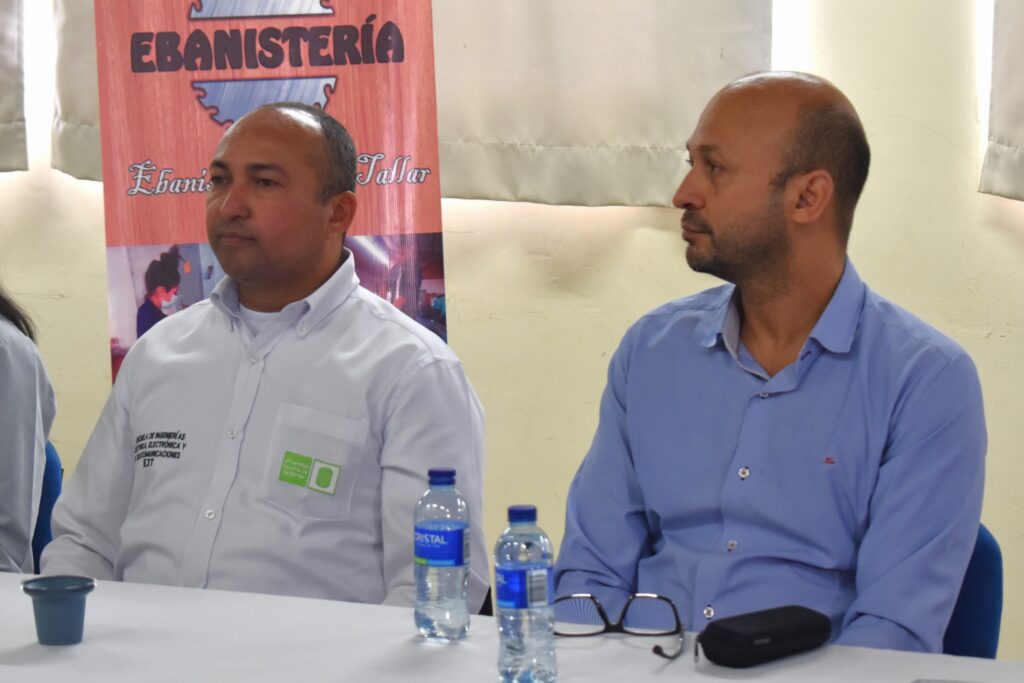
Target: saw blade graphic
(230, 9)
(229, 101)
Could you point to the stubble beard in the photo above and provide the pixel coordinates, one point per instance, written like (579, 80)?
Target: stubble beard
(745, 250)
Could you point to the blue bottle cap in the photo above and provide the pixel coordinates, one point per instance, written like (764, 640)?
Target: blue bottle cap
(522, 513)
(441, 476)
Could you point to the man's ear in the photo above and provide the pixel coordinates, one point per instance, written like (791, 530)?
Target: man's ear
(810, 195)
(343, 211)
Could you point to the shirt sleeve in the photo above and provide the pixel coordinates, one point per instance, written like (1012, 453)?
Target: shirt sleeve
(88, 516)
(924, 515)
(606, 529)
(434, 420)
(27, 402)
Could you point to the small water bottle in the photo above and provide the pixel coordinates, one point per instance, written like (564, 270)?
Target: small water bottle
(442, 559)
(523, 558)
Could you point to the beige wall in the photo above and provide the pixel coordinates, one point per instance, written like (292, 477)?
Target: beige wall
(539, 295)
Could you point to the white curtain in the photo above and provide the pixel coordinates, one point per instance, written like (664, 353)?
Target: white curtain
(582, 102)
(76, 127)
(13, 156)
(1003, 171)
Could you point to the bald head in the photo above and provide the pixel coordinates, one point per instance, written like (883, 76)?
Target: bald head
(819, 129)
(789, 86)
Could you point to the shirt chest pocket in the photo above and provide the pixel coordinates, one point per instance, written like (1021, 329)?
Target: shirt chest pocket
(313, 461)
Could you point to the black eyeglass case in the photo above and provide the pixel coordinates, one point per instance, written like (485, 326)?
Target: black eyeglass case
(757, 637)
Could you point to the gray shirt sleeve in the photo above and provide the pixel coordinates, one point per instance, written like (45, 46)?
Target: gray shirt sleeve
(27, 408)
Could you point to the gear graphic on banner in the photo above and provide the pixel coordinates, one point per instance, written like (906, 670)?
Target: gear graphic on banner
(229, 9)
(230, 100)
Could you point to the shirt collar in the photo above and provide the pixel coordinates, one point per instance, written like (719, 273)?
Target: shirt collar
(837, 325)
(310, 310)
(834, 330)
(724, 323)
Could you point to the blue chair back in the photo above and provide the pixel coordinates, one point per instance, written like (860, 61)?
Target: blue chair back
(973, 629)
(53, 476)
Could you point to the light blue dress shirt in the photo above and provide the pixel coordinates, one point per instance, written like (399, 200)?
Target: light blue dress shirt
(850, 482)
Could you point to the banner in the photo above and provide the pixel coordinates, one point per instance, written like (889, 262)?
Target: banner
(174, 74)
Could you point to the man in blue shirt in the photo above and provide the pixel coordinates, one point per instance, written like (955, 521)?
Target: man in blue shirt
(792, 437)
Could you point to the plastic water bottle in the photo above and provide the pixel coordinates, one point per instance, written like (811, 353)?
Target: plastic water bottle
(442, 559)
(523, 558)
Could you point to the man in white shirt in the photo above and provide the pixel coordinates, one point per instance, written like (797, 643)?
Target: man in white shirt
(276, 437)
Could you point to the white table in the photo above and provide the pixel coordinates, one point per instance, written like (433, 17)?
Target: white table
(135, 632)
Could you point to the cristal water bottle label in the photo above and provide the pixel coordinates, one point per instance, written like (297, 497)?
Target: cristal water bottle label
(524, 588)
(441, 547)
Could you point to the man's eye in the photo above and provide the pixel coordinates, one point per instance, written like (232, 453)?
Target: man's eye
(217, 180)
(711, 166)
(265, 182)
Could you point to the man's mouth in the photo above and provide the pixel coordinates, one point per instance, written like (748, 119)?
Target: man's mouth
(691, 229)
(233, 238)
(694, 225)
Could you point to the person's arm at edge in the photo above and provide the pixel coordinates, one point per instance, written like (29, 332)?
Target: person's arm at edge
(924, 515)
(28, 410)
(606, 531)
(434, 420)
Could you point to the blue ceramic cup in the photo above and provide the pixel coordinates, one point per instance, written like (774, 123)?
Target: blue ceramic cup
(59, 605)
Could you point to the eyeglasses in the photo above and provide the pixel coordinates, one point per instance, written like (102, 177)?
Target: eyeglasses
(645, 614)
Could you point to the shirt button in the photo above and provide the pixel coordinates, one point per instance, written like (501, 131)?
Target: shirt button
(210, 514)
(731, 545)
(763, 394)
(743, 472)
(709, 612)
(303, 328)
(253, 360)
(232, 433)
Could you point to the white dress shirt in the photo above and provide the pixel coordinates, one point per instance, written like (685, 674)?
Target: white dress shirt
(27, 408)
(287, 462)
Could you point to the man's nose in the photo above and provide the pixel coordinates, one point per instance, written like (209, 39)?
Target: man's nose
(687, 195)
(234, 202)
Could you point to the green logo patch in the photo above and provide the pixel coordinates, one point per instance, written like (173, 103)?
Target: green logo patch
(295, 468)
(302, 470)
(325, 477)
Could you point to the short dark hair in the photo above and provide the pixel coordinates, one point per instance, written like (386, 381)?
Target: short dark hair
(339, 173)
(17, 317)
(830, 138)
(163, 271)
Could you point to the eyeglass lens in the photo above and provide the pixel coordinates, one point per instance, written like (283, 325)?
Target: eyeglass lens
(649, 616)
(578, 617)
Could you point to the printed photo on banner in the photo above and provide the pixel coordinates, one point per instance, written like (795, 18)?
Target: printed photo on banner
(147, 283)
(407, 271)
